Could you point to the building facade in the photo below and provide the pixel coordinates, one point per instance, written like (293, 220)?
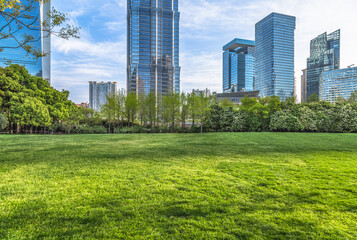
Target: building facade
(236, 97)
(153, 47)
(324, 56)
(304, 86)
(337, 84)
(206, 92)
(98, 93)
(238, 65)
(274, 55)
(37, 18)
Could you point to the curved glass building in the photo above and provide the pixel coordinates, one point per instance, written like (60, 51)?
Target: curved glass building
(13, 54)
(153, 47)
(324, 56)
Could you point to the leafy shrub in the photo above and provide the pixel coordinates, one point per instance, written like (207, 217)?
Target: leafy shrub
(226, 121)
(285, 122)
(213, 118)
(254, 123)
(308, 119)
(3, 122)
(135, 129)
(195, 129)
(240, 122)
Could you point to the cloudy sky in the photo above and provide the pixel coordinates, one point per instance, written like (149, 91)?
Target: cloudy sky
(206, 25)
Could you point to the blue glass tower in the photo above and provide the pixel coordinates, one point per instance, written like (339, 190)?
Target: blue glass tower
(274, 55)
(153, 47)
(324, 56)
(238, 65)
(12, 53)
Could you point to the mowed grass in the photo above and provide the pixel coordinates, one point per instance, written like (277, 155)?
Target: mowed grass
(188, 186)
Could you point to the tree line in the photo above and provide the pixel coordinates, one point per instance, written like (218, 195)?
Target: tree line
(29, 104)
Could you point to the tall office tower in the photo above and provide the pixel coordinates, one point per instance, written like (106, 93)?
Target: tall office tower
(274, 55)
(340, 83)
(324, 56)
(38, 19)
(304, 86)
(238, 65)
(153, 47)
(98, 93)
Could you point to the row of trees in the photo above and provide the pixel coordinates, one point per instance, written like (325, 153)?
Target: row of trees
(171, 111)
(29, 104)
(270, 114)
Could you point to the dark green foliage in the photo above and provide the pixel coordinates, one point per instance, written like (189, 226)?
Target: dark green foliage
(285, 122)
(30, 102)
(214, 117)
(3, 122)
(240, 122)
(227, 120)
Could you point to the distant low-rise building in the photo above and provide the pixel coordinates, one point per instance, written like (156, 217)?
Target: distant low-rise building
(338, 84)
(205, 92)
(236, 97)
(98, 93)
(83, 105)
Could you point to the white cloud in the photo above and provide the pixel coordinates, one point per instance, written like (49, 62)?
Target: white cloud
(80, 61)
(221, 21)
(206, 25)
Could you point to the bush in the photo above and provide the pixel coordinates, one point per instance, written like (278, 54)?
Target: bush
(3, 122)
(254, 123)
(213, 118)
(285, 122)
(226, 121)
(135, 129)
(308, 119)
(240, 122)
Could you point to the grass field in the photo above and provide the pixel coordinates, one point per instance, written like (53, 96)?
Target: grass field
(203, 186)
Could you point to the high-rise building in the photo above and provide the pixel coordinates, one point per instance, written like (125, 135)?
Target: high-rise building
(338, 83)
(98, 93)
(274, 55)
(324, 56)
(11, 50)
(153, 47)
(238, 65)
(304, 86)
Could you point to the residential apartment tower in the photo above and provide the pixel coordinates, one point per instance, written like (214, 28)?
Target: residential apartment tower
(98, 92)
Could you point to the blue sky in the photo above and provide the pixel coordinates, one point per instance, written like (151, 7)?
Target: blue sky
(206, 25)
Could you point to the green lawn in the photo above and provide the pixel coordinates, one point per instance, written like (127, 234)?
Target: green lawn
(203, 186)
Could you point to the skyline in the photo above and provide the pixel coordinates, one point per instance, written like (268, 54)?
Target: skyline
(100, 54)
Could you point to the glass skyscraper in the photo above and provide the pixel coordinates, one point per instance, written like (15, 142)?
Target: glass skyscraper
(98, 93)
(238, 65)
(338, 83)
(153, 47)
(12, 53)
(274, 55)
(324, 56)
